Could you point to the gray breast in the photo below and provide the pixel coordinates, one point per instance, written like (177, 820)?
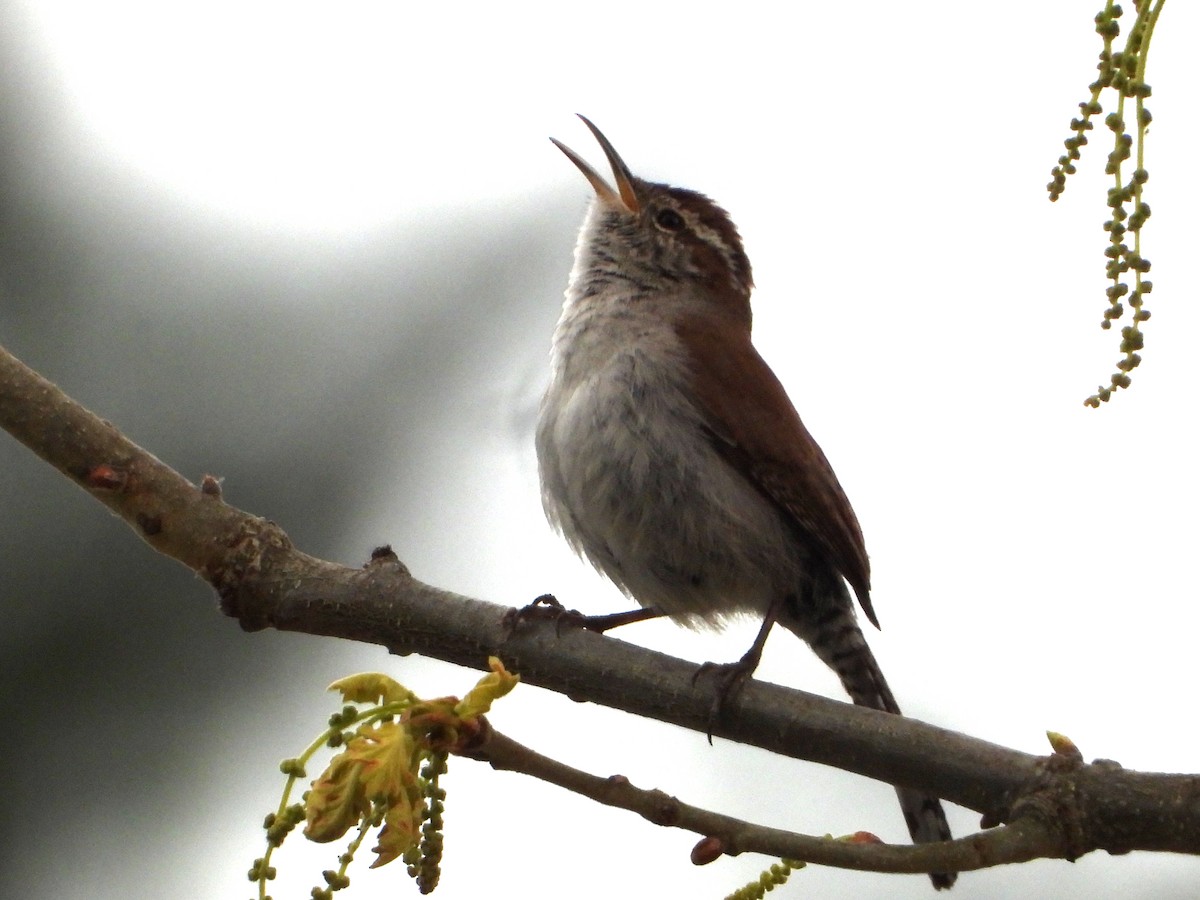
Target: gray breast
(631, 478)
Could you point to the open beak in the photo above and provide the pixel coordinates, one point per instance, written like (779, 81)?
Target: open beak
(624, 196)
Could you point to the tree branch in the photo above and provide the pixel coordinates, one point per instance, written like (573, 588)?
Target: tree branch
(264, 582)
(1028, 838)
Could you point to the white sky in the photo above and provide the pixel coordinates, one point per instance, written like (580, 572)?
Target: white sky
(933, 316)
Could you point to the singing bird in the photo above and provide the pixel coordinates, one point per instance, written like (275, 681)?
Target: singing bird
(671, 457)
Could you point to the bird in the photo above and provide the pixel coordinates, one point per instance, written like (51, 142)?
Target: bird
(671, 457)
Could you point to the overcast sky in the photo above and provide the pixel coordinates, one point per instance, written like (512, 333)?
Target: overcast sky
(365, 194)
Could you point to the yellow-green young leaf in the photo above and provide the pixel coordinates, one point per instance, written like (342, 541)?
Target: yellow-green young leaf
(336, 801)
(371, 687)
(401, 831)
(490, 688)
(379, 763)
(389, 761)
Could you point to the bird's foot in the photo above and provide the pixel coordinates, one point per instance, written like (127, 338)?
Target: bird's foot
(729, 678)
(547, 606)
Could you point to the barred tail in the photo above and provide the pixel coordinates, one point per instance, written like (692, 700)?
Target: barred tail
(835, 637)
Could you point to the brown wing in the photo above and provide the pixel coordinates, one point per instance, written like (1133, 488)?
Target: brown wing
(759, 431)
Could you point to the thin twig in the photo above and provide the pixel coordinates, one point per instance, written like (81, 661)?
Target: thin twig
(1025, 839)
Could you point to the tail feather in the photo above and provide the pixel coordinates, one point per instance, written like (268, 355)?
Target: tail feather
(835, 637)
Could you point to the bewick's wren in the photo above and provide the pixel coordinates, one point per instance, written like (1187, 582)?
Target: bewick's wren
(671, 457)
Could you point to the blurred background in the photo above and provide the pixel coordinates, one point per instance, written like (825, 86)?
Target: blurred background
(319, 249)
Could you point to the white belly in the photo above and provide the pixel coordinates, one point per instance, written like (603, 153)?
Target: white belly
(632, 478)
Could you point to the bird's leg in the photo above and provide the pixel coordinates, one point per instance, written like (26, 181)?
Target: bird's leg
(547, 606)
(601, 624)
(729, 676)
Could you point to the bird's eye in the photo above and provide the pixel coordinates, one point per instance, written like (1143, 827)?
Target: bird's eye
(668, 220)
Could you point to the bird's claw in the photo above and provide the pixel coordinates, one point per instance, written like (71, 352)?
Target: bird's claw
(729, 678)
(546, 606)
